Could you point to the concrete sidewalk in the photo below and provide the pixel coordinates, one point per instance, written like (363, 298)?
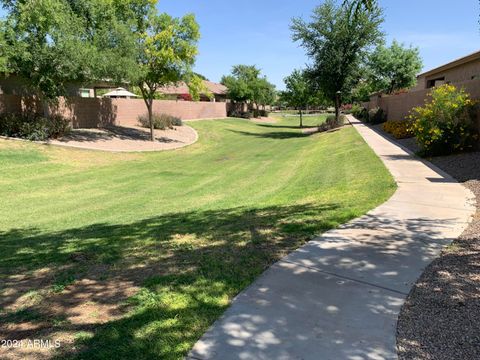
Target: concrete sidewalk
(339, 296)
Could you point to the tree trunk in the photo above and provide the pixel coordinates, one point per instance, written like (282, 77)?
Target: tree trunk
(337, 107)
(45, 108)
(148, 95)
(301, 119)
(150, 120)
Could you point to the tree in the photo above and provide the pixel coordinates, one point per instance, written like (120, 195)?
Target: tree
(3, 55)
(245, 85)
(357, 5)
(394, 68)
(167, 52)
(202, 77)
(265, 93)
(299, 92)
(52, 43)
(337, 42)
(241, 82)
(44, 45)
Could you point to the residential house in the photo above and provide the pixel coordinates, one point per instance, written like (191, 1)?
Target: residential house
(13, 84)
(181, 92)
(460, 70)
(463, 73)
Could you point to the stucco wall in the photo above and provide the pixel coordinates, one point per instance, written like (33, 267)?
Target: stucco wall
(459, 73)
(91, 112)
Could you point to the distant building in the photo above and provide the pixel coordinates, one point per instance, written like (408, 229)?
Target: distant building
(181, 92)
(13, 84)
(464, 69)
(463, 73)
(120, 93)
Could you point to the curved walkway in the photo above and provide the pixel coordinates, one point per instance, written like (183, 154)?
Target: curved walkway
(339, 296)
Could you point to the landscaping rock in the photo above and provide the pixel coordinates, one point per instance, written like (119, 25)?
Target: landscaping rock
(441, 317)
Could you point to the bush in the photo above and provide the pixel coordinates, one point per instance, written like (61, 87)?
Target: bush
(260, 113)
(240, 114)
(263, 113)
(399, 129)
(33, 127)
(160, 121)
(176, 121)
(359, 112)
(347, 108)
(355, 109)
(332, 123)
(246, 115)
(445, 125)
(376, 116)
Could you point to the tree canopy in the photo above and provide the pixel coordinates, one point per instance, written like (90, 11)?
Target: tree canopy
(337, 43)
(241, 82)
(167, 53)
(55, 42)
(299, 92)
(394, 68)
(52, 43)
(245, 84)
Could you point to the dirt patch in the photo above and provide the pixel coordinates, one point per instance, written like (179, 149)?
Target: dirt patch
(36, 308)
(128, 139)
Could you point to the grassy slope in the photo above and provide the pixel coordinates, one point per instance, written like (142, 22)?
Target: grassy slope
(206, 220)
(293, 118)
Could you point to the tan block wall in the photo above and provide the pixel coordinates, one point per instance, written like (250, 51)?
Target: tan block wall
(91, 112)
(399, 106)
(128, 110)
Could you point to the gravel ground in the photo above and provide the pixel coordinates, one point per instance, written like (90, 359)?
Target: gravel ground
(441, 317)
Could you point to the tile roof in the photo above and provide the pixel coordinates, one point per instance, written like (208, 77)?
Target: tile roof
(182, 88)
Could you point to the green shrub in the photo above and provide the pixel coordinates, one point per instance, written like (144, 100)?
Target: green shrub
(263, 113)
(399, 129)
(160, 121)
(445, 125)
(176, 121)
(240, 114)
(359, 112)
(33, 127)
(376, 116)
(356, 109)
(332, 123)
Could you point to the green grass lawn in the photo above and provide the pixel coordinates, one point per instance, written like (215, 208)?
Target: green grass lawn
(135, 255)
(293, 118)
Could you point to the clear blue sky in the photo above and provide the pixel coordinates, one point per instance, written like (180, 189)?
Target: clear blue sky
(257, 31)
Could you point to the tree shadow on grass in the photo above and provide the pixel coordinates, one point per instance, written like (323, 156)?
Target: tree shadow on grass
(186, 266)
(277, 135)
(273, 126)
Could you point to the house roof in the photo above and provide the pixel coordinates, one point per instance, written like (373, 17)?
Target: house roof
(463, 60)
(182, 88)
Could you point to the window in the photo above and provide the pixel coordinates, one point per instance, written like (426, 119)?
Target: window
(435, 82)
(84, 93)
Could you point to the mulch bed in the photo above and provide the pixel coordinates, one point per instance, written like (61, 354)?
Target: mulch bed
(441, 317)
